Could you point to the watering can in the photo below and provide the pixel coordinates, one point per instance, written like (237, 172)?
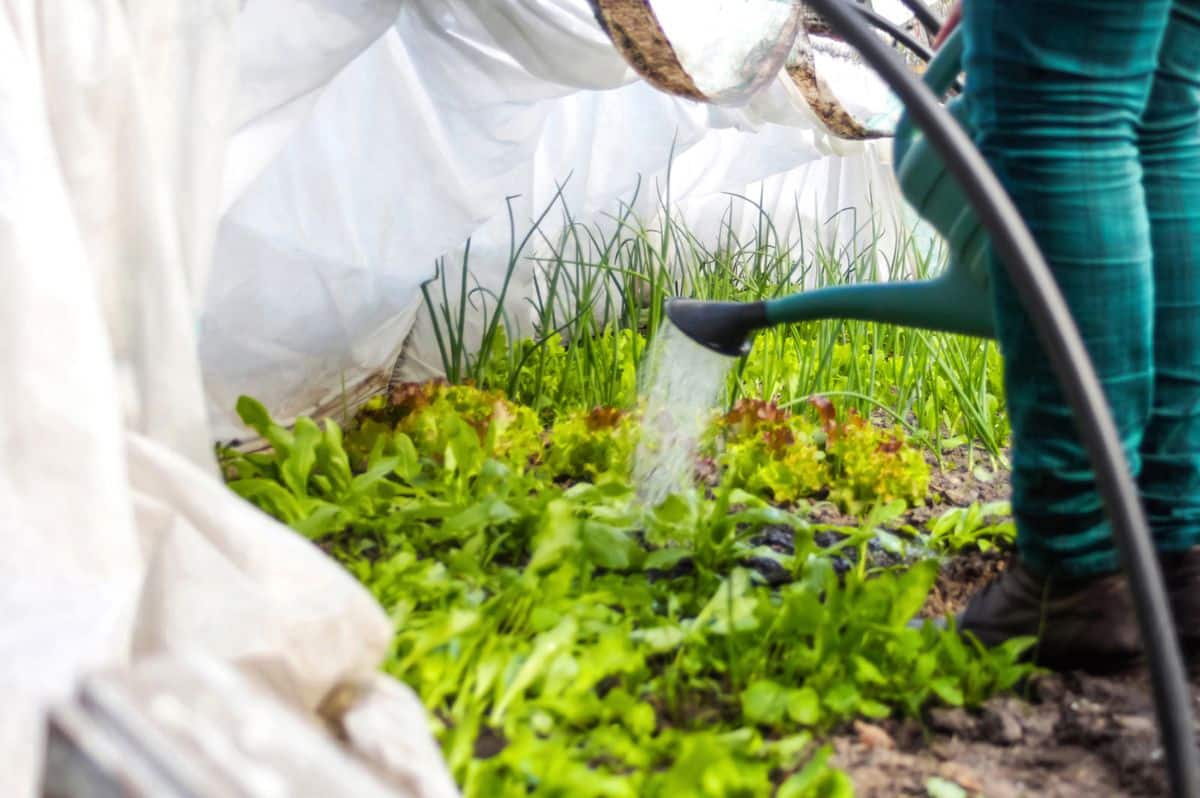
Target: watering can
(958, 300)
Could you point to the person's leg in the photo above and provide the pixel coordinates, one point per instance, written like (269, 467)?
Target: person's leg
(1169, 140)
(1170, 480)
(1056, 90)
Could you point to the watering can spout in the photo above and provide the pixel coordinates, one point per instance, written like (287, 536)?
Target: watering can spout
(724, 327)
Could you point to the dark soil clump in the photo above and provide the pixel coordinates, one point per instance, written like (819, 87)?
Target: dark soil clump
(960, 577)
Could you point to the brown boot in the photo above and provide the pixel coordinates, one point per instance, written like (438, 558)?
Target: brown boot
(1081, 625)
(1182, 575)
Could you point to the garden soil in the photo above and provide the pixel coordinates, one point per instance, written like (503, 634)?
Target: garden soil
(1069, 735)
(1064, 735)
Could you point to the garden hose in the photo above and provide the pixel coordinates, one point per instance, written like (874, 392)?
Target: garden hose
(884, 24)
(1056, 329)
(925, 16)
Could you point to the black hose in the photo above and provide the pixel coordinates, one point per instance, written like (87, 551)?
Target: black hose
(884, 24)
(891, 29)
(927, 18)
(1060, 337)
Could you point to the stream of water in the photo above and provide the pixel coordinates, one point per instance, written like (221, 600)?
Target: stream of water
(680, 385)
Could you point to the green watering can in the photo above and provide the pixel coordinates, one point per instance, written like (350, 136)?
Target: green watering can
(957, 301)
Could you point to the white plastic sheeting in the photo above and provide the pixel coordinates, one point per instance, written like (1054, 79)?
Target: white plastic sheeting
(117, 538)
(415, 146)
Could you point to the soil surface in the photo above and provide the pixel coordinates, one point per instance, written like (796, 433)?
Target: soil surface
(1072, 735)
(1064, 736)
(960, 577)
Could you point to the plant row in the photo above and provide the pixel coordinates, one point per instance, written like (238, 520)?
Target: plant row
(568, 639)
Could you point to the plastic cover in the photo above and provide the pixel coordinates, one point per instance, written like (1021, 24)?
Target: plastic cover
(118, 538)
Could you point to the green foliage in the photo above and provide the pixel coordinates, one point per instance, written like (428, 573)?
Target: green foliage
(946, 389)
(597, 368)
(980, 526)
(770, 452)
(306, 481)
(597, 300)
(870, 465)
(433, 415)
(587, 445)
(568, 640)
(784, 457)
(509, 432)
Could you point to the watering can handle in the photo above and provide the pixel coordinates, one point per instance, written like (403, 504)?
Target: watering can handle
(939, 77)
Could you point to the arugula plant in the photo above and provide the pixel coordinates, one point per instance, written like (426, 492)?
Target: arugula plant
(980, 526)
